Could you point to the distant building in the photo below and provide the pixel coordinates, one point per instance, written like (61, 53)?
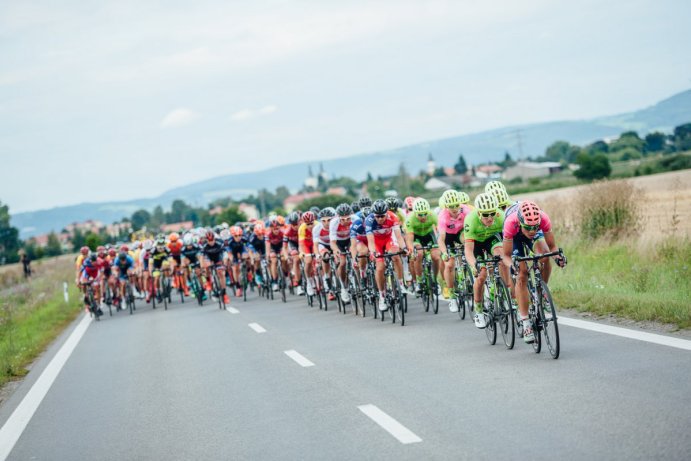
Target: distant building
(527, 170)
(216, 210)
(431, 165)
(177, 227)
(249, 210)
(437, 184)
(488, 172)
(338, 190)
(84, 227)
(291, 202)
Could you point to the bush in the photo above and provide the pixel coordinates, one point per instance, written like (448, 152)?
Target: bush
(675, 162)
(592, 167)
(609, 208)
(324, 201)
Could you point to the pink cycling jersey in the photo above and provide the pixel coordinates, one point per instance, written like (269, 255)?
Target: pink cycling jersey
(452, 225)
(512, 225)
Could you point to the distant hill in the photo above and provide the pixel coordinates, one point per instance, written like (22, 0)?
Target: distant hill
(477, 148)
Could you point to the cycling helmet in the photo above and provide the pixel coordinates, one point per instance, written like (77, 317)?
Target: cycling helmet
(442, 204)
(293, 218)
(421, 206)
(100, 249)
(225, 234)
(451, 198)
(365, 201)
(392, 203)
(494, 185)
(188, 239)
(315, 210)
(379, 207)
(84, 250)
(236, 231)
(148, 244)
(366, 211)
(174, 237)
(464, 198)
(91, 259)
(210, 236)
(225, 225)
(259, 228)
(122, 256)
(486, 203)
(135, 245)
(160, 242)
(409, 200)
(502, 197)
(327, 212)
(112, 252)
(529, 213)
(344, 210)
(308, 217)
(281, 220)
(355, 206)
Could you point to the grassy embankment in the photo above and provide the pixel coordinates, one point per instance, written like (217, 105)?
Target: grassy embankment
(620, 262)
(33, 313)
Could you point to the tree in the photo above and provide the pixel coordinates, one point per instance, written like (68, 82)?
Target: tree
(231, 215)
(628, 139)
(598, 147)
(558, 151)
(682, 137)
(140, 218)
(402, 180)
(53, 247)
(461, 167)
(92, 240)
(158, 217)
(178, 211)
(592, 166)
(439, 172)
(9, 237)
(655, 142)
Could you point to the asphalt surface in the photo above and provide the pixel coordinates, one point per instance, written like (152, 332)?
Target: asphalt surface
(198, 383)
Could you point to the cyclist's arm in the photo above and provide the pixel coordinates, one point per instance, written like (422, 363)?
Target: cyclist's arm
(370, 244)
(550, 241)
(399, 237)
(507, 246)
(469, 255)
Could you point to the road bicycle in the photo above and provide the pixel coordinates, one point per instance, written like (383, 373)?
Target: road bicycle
(216, 289)
(497, 304)
(91, 300)
(129, 296)
(464, 281)
(541, 309)
(428, 283)
(354, 287)
(395, 299)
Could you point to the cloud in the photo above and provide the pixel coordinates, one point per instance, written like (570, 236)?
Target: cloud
(178, 117)
(248, 114)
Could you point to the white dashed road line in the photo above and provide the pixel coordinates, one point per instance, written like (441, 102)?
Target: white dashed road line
(626, 333)
(256, 327)
(232, 310)
(15, 425)
(390, 425)
(299, 358)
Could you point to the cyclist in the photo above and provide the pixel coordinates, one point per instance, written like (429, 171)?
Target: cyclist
(381, 226)
(144, 257)
(90, 273)
(124, 266)
(483, 234)
(526, 226)
(499, 191)
(408, 202)
(273, 240)
(358, 239)
(451, 221)
(305, 240)
(213, 251)
(421, 231)
(159, 262)
(235, 244)
(339, 239)
(257, 248)
(190, 258)
(291, 247)
(175, 246)
(320, 234)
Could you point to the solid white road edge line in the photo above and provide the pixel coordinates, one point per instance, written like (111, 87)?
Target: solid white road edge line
(626, 333)
(232, 310)
(390, 425)
(15, 425)
(299, 358)
(256, 327)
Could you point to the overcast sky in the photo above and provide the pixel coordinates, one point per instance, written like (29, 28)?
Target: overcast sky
(113, 100)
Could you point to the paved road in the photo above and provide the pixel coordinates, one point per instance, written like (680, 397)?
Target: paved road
(199, 383)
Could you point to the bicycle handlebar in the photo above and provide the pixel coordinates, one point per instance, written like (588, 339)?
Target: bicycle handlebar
(536, 257)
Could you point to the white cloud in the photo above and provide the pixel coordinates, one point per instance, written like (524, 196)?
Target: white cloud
(248, 114)
(178, 117)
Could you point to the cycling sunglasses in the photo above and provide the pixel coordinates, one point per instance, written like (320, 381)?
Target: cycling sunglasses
(422, 215)
(380, 216)
(453, 207)
(530, 228)
(488, 215)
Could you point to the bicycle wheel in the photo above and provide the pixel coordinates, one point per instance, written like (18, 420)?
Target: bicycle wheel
(401, 307)
(467, 288)
(491, 328)
(506, 323)
(550, 328)
(152, 292)
(282, 285)
(435, 297)
(109, 299)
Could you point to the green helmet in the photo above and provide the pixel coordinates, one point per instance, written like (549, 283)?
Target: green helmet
(451, 198)
(494, 185)
(464, 198)
(442, 205)
(502, 197)
(486, 203)
(421, 206)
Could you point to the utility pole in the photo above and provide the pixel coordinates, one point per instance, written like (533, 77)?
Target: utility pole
(519, 143)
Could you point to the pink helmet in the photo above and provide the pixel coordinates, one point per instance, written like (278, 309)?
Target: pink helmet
(409, 202)
(529, 213)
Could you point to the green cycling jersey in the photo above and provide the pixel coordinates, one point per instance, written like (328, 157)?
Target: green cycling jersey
(475, 230)
(417, 227)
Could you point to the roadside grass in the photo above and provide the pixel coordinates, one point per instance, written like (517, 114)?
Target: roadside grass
(33, 314)
(628, 279)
